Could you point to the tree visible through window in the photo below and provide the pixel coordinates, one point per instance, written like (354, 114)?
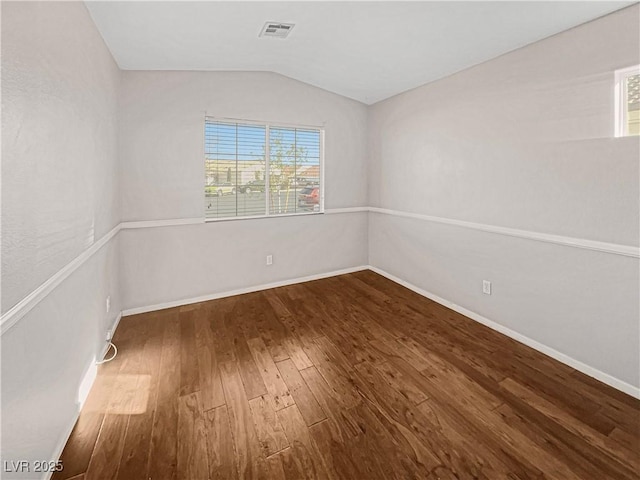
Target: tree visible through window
(269, 170)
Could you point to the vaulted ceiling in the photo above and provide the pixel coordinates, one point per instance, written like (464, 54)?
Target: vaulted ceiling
(367, 51)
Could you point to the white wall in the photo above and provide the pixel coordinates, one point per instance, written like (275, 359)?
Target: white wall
(523, 141)
(46, 356)
(59, 146)
(59, 196)
(162, 175)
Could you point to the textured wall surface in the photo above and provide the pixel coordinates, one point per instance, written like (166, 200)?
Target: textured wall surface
(523, 141)
(59, 104)
(162, 135)
(46, 356)
(59, 195)
(162, 174)
(175, 263)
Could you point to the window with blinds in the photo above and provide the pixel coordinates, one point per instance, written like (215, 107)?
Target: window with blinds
(256, 170)
(628, 101)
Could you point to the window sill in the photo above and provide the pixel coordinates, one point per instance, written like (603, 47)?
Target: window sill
(256, 217)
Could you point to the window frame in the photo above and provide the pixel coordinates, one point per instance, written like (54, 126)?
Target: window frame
(268, 126)
(620, 77)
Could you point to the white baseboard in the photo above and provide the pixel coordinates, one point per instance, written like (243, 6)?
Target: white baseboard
(24, 306)
(240, 291)
(18, 311)
(65, 438)
(62, 443)
(561, 357)
(113, 328)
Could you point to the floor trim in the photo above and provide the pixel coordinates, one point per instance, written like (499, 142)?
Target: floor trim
(14, 314)
(113, 328)
(559, 356)
(67, 434)
(555, 354)
(240, 291)
(63, 443)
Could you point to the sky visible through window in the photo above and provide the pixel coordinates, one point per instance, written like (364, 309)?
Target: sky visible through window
(238, 162)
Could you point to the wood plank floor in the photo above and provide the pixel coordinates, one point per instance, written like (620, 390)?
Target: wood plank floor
(350, 377)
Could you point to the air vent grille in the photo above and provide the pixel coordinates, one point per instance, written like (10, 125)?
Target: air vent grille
(276, 29)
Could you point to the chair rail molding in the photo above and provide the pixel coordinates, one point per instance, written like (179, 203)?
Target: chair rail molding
(19, 310)
(613, 248)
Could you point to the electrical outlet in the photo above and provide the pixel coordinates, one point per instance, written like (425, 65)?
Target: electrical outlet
(486, 287)
(269, 259)
(109, 335)
(108, 303)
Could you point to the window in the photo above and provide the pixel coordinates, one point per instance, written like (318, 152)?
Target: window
(268, 170)
(628, 101)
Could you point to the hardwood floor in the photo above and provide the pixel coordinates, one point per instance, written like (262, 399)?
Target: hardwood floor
(350, 377)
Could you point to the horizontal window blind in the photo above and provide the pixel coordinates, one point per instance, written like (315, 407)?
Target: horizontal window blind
(294, 170)
(632, 100)
(261, 170)
(627, 94)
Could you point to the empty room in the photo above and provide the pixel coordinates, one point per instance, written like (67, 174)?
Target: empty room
(320, 240)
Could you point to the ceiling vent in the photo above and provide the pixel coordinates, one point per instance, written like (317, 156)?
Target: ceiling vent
(276, 29)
